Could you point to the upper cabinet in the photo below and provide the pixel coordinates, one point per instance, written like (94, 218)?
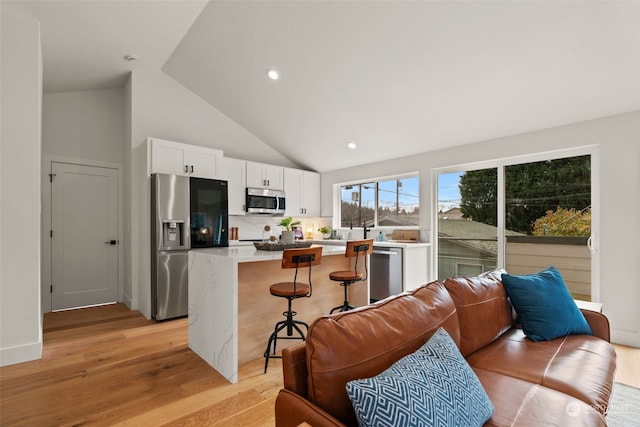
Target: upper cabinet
(233, 171)
(261, 175)
(303, 193)
(183, 159)
(302, 188)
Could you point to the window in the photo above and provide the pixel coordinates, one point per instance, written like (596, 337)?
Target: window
(393, 202)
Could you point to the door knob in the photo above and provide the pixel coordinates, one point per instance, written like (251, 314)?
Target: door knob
(111, 242)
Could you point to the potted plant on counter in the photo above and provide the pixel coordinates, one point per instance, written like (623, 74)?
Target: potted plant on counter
(287, 235)
(326, 231)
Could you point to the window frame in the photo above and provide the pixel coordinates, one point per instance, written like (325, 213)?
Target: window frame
(337, 198)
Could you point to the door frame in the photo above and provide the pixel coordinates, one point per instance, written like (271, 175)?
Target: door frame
(592, 150)
(45, 239)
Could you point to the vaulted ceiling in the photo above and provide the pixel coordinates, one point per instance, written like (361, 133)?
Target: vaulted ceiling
(394, 77)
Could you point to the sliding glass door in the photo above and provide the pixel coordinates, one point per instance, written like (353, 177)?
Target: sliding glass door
(548, 219)
(467, 222)
(523, 216)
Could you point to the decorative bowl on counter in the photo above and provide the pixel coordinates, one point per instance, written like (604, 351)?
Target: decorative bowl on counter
(279, 246)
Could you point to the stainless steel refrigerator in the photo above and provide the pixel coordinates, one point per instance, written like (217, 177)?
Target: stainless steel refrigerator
(170, 244)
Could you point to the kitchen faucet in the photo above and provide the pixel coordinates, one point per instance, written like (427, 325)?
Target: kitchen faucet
(364, 226)
(364, 231)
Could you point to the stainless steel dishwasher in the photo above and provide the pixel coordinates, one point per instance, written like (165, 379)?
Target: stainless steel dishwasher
(386, 272)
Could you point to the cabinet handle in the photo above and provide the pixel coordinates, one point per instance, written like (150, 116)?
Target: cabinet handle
(186, 168)
(268, 183)
(191, 168)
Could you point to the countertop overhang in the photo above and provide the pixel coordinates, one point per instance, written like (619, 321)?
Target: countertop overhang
(385, 243)
(376, 243)
(246, 253)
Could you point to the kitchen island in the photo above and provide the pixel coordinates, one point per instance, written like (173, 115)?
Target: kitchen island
(232, 313)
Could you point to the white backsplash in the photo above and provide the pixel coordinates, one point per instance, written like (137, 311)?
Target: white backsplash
(251, 226)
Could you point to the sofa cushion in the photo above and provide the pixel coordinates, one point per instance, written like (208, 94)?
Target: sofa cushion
(519, 403)
(544, 304)
(434, 386)
(363, 342)
(580, 366)
(484, 311)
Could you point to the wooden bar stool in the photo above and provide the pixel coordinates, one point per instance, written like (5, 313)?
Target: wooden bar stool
(358, 249)
(292, 258)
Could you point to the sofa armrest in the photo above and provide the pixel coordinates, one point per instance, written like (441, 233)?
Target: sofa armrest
(599, 324)
(292, 410)
(294, 368)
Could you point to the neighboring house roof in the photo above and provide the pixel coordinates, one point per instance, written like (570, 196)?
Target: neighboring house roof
(407, 220)
(453, 213)
(472, 234)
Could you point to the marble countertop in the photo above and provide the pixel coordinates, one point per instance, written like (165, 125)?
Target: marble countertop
(342, 243)
(251, 254)
(383, 244)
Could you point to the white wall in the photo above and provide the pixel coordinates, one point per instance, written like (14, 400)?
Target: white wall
(127, 291)
(20, 154)
(618, 138)
(84, 127)
(163, 108)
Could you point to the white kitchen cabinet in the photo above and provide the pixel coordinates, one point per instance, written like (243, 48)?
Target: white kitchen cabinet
(262, 175)
(303, 193)
(233, 171)
(415, 272)
(203, 162)
(183, 159)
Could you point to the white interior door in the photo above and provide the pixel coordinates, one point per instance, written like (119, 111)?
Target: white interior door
(84, 242)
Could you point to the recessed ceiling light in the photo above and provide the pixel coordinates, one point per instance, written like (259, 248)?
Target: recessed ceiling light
(273, 74)
(131, 57)
(352, 145)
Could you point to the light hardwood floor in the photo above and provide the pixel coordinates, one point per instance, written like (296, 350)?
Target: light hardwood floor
(110, 366)
(628, 370)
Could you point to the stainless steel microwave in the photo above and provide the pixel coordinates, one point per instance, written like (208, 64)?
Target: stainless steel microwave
(262, 201)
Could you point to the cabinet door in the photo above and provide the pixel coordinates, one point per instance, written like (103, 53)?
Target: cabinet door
(274, 176)
(261, 175)
(292, 188)
(203, 162)
(233, 171)
(255, 175)
(303, 192)
(167, 157)
(310, 193)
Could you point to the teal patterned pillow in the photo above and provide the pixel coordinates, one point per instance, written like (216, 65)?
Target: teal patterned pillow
(434, 386)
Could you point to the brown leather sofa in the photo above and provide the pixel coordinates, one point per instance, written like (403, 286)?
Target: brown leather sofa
(562, 382)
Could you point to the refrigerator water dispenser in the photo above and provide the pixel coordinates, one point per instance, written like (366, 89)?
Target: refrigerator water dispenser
(173, 234)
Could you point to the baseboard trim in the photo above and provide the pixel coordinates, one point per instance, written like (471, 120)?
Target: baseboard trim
(128, 301)
(628, 338)
(19, 354)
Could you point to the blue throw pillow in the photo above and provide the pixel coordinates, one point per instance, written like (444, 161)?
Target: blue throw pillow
(434, 386)
(545, 306)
